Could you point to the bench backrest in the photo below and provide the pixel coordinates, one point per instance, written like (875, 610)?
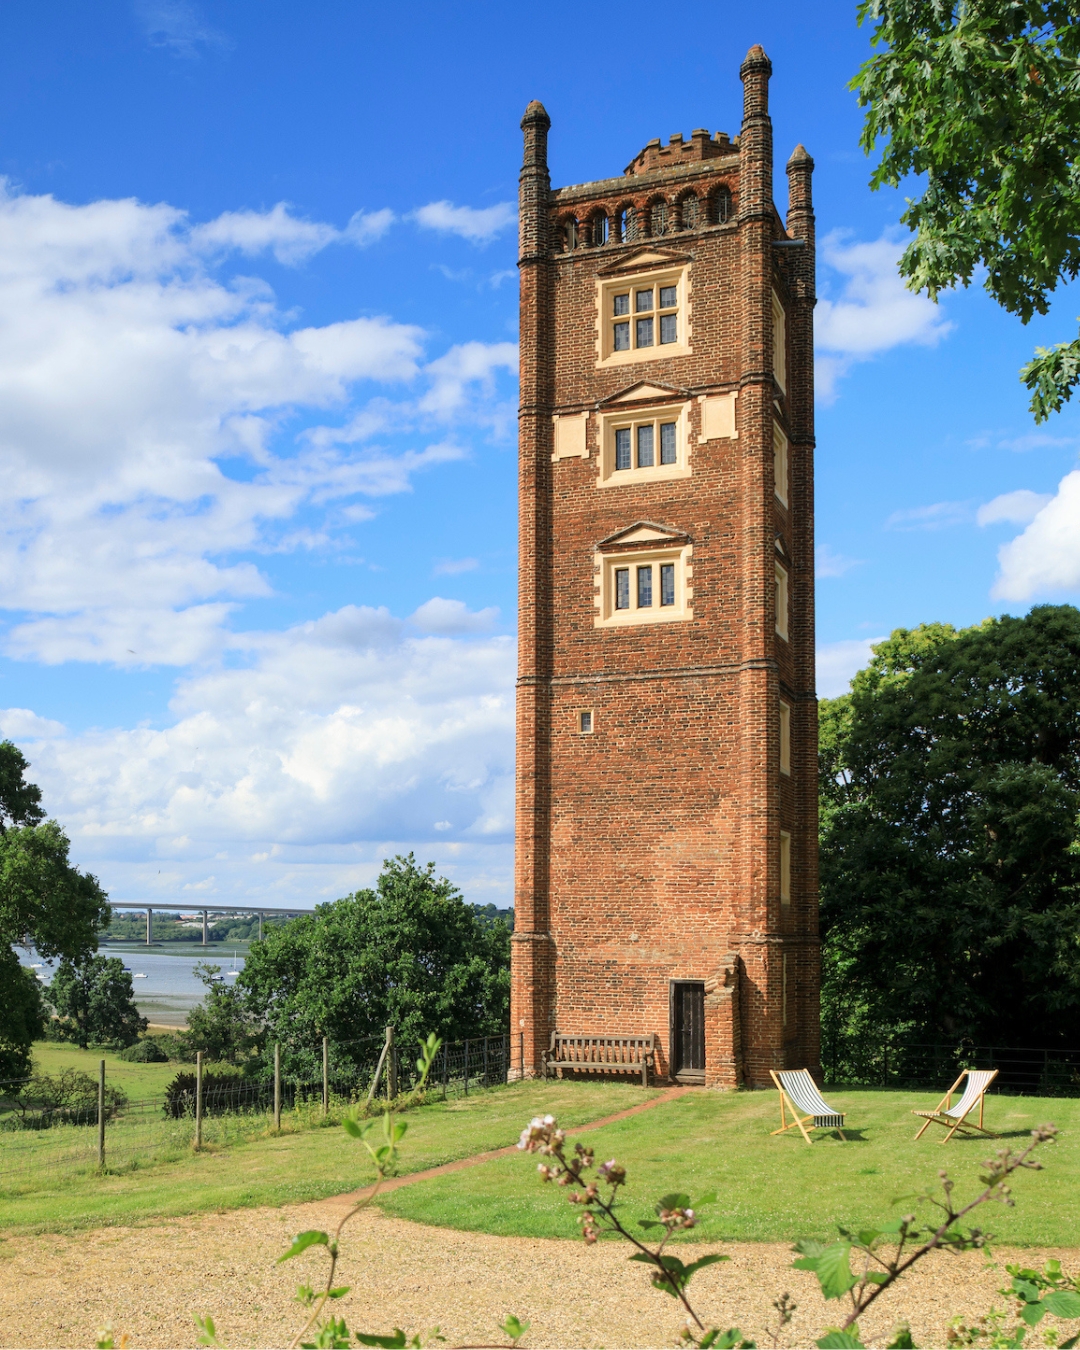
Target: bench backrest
(602, 1049)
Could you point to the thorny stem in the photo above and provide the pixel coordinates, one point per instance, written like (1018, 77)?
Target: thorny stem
(550, 1142)
(1008, 1163)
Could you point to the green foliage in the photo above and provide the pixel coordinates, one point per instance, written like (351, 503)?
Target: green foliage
(223, 1091)
(94, 1001)
(983, 98)
(221, 1026)
(69, 1097)
(22, 1015)
(145, 1051)
(950, 848)
(43, 900)
(410, 953)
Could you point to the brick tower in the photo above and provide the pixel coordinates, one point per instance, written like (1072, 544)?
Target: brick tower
(666, 719)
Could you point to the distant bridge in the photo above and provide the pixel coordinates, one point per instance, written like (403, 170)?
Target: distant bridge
(260, 910)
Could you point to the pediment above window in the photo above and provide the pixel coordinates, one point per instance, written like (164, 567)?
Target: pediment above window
(643, 534)
(645, 259)
(641, 391)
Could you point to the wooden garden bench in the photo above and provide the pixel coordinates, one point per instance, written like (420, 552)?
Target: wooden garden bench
(601, 1054)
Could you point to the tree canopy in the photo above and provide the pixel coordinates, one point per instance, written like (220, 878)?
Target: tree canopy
(95, 1002)
(982, 97)
(950, 846)
(221, 1026)
(44, 900)
(410, 953)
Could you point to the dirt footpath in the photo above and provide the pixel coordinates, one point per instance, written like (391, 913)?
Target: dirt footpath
(148, 1284)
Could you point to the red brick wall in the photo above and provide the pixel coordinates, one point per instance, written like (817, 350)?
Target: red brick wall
(648, 851)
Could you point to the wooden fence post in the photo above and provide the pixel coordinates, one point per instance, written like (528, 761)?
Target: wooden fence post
(445, 1069)
(101, 1115)
(485, 1061)
(391, 1065)
(277, 1085)
(325, 1075)
(466, 1067)
(521, 1036)
(198, 1100)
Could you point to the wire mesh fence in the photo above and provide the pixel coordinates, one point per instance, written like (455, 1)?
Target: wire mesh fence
(1023, 1070)
(310, 1086)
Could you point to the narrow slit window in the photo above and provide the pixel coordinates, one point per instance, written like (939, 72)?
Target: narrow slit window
(622, 448)
(667, 583)
(781, 602)
(645, 446)
(585, 722)
(644, 587)
(785, 738)
(622, 588)
(780, 464)
(785, 867)
(669, 445)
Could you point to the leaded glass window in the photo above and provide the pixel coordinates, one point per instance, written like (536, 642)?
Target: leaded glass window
(667, 583)
(622, 588)
(646, 442)
(655, 322)
(644, 587)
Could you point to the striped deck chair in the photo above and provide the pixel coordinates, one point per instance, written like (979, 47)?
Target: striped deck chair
(956, 1117)
(801, 1093)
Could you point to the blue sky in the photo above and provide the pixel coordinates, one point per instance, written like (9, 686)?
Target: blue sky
(257, 412)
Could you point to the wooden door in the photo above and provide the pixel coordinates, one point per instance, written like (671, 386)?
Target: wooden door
(688, 1039)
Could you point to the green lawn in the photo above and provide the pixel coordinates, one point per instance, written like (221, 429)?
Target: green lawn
(294, 1166)
(776, 1189)
(139, 1081)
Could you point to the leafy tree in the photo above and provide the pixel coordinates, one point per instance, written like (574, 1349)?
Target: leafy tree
(221, 1026)
(950, 845)
(43, 900)
(983, 98)
(22, 1015)
(410, 953)
(94, 1000)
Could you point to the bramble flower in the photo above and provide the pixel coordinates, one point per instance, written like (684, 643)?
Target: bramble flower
(612, 1172)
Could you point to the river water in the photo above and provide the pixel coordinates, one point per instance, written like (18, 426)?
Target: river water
(166, 987)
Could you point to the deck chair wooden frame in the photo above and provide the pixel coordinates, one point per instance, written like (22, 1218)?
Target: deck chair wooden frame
(954, 1118)
(809, 1092)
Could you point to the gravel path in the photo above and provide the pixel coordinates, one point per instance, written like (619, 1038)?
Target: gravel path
(149, 1282)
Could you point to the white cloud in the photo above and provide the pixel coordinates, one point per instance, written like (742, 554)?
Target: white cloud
(179, 27)
(873, 312)
(341, 741)
(828, 563)
(476, 225)
(453, 567)
(453, 617)
(20, 724)
(837, 663)
(129, 372)
(468, 364)
(936, 516)
(1018, 508)
(1046, 557)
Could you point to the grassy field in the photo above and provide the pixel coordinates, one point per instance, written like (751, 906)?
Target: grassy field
(776, 1189)
(279, 1169)
(139, 1081)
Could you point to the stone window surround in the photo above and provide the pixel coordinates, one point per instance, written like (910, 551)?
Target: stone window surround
(785, 738)
(659, 274)
(656, 553)
(781, 464)
(617, 418)
(581, 716)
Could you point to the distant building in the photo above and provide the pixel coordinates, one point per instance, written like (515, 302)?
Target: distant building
(667, 774)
